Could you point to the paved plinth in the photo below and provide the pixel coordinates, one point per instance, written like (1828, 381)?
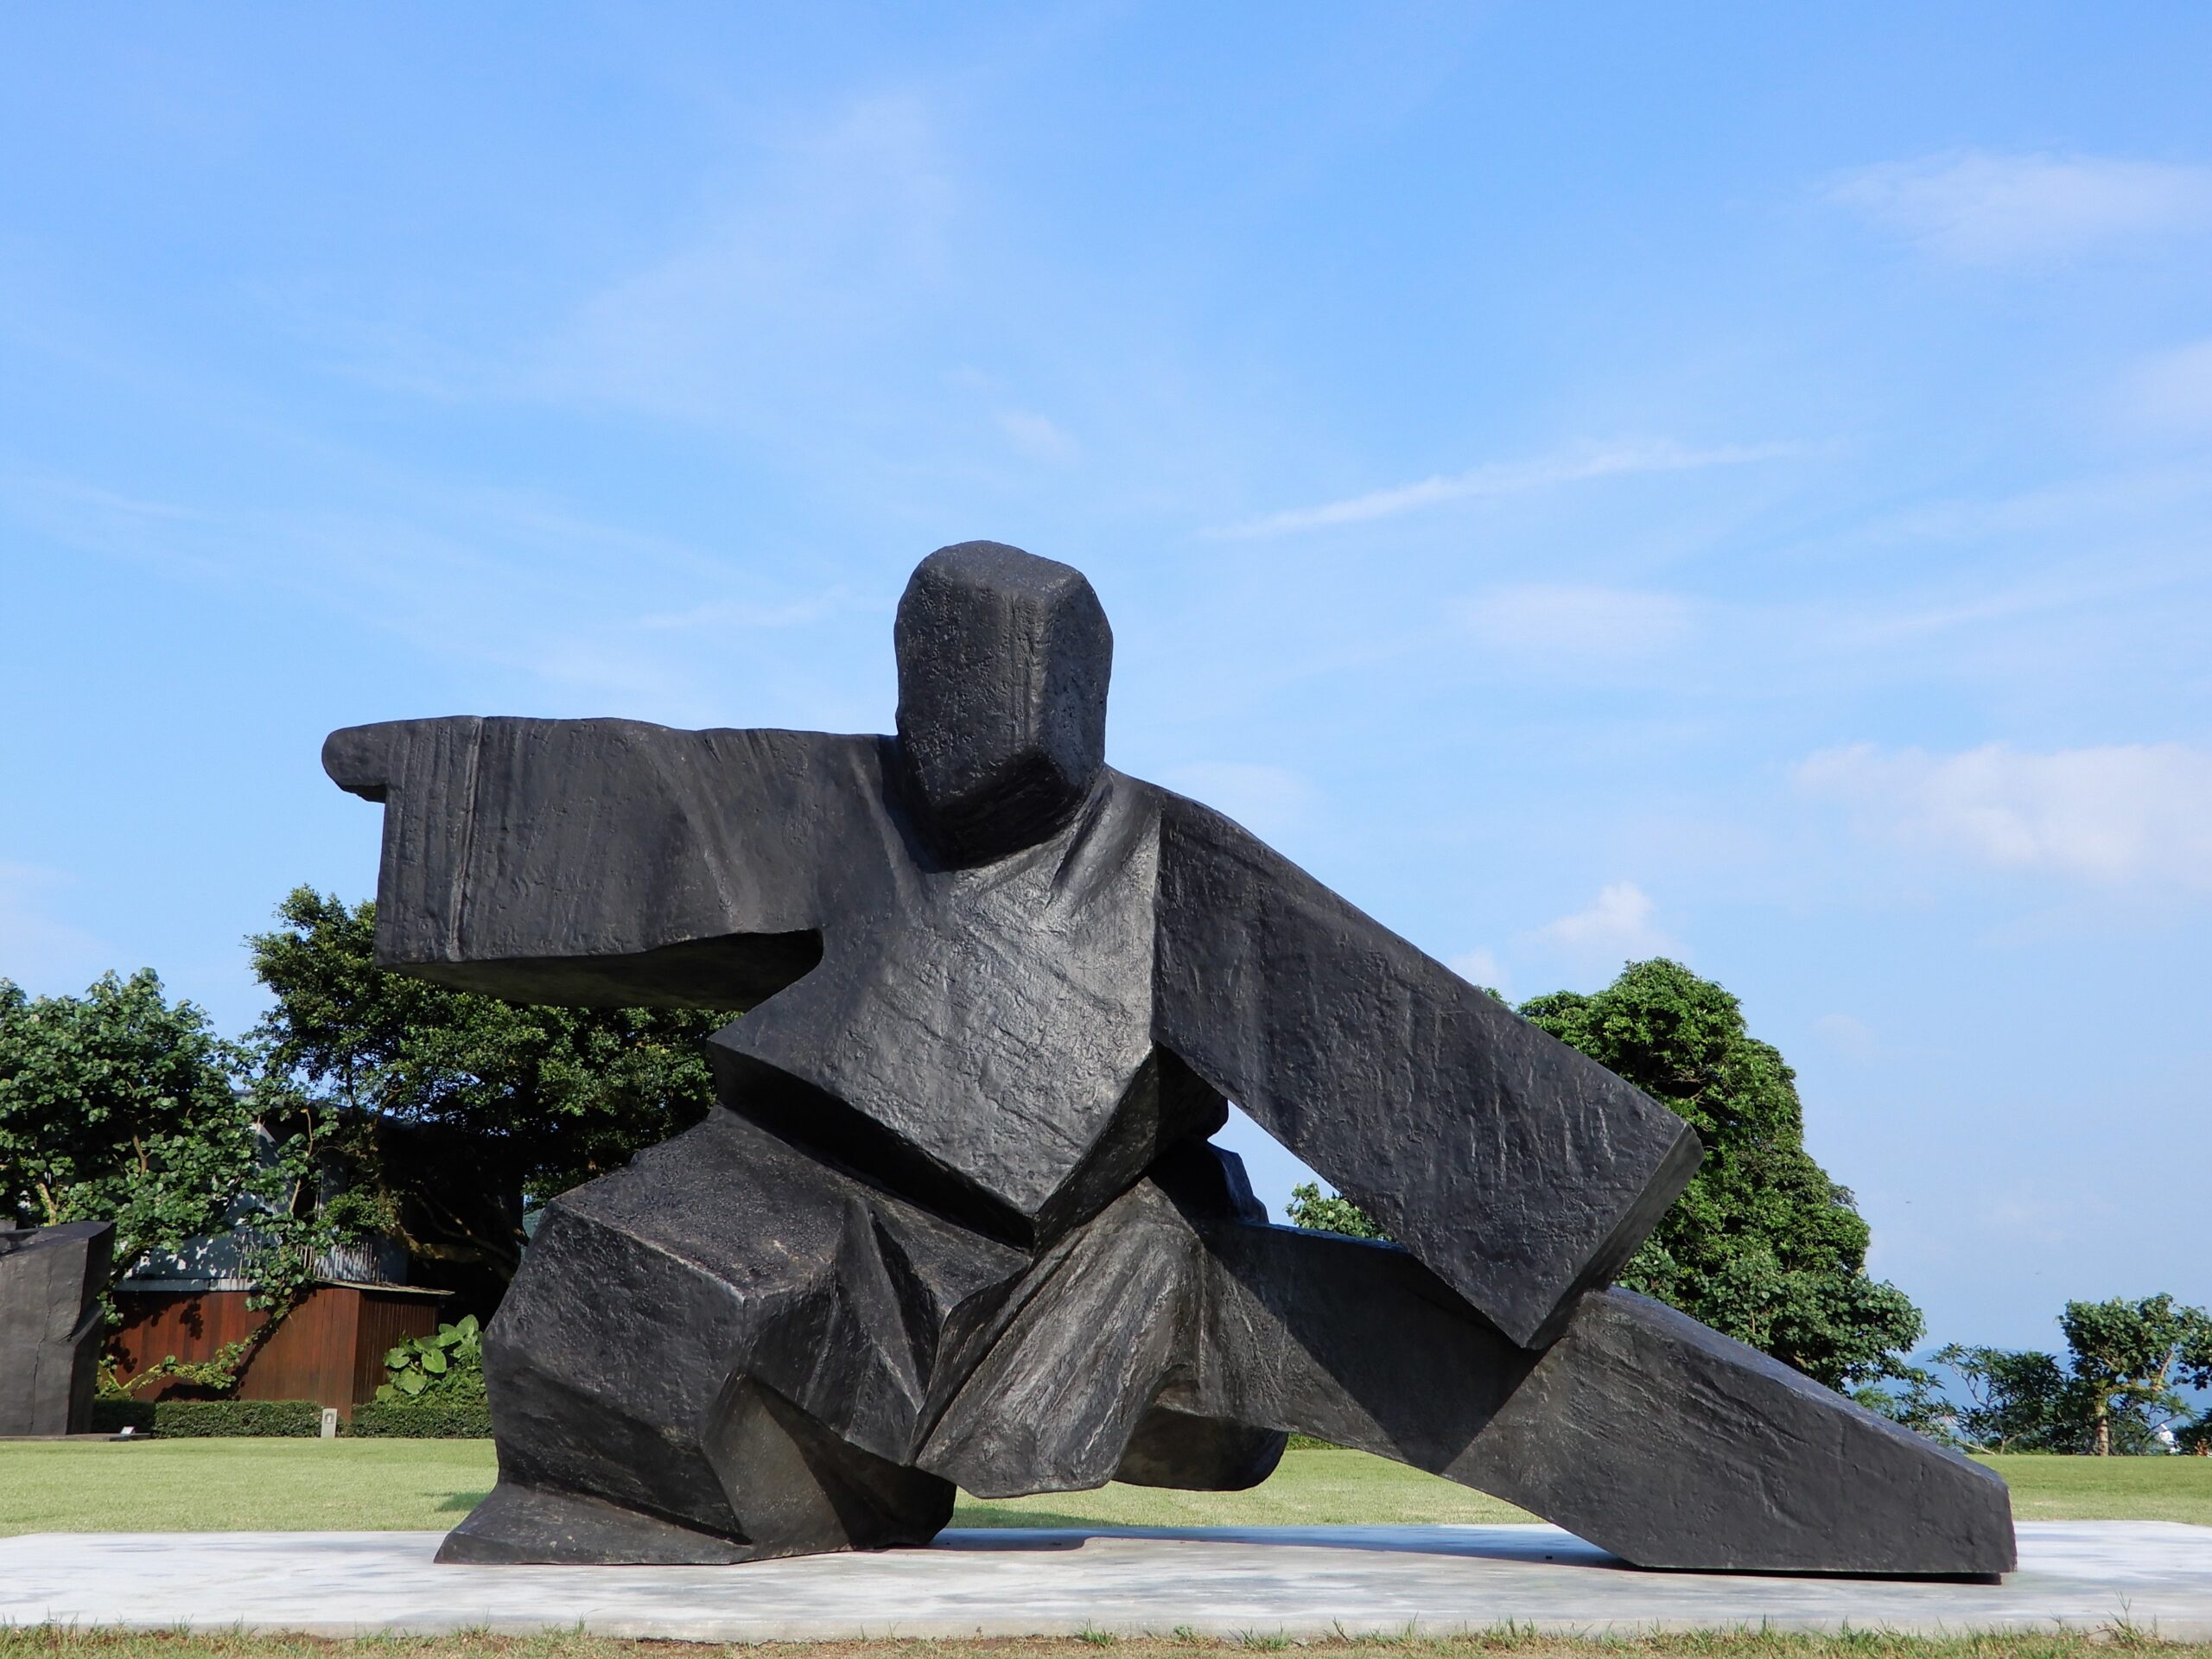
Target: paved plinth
(1215, 1581)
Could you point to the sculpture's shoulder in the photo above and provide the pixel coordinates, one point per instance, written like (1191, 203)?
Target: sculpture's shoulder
(1115, 837)
(1209, 862)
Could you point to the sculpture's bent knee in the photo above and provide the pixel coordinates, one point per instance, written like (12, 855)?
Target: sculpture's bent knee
(645, 1371)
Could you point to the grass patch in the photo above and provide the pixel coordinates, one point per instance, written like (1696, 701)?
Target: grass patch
(282, 1485)
(53, 1643)
(244, 1485)
(2108, 1489)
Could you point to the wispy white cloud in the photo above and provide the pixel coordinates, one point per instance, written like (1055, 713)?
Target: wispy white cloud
(2174, 389)
(2030, 1212)
(1848, 1034)
(828, 249)
(1617, 925)
(2123, 812)
(1973, 207)
(112, 523)
(1480, 966)
(1578, 465)
(722, 616)
(38, 951)
(1542, 619)
(2055, 510)
(1267, 800)
(1037, 436)
(657, 628)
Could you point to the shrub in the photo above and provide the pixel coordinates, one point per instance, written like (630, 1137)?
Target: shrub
(112, 1413)
(1308, 1209)
(448, 1366)
(455, 1420)
(209, 1419)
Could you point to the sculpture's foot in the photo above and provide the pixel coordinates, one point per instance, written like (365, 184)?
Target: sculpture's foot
(517, 1525)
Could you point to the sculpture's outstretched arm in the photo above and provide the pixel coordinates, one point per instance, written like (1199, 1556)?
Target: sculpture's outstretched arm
(1520, 1172)
(609, 861)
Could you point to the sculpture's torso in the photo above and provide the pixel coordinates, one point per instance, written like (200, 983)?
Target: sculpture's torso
(995, 1020)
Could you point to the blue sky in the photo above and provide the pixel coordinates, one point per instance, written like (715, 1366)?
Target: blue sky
(1587, 481)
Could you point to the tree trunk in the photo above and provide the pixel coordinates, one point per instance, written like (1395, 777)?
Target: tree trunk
(2103, 1409)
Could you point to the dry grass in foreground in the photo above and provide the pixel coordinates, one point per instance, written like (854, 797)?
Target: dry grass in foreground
(52, 1642)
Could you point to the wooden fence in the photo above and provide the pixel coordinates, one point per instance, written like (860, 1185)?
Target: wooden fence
(330, 1350)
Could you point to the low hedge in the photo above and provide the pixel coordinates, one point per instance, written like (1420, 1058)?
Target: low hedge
(208, 1418)
(469, 1419)
(292, 1419)
(113, 1416)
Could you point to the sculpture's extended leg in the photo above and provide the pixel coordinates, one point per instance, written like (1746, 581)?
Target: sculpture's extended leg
(717, 1355)
(1639, 1429)
(1173, 1339)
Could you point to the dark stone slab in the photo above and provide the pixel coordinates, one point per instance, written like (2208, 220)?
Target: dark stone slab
(1520, 1171)
(957, 1221)
(51, 1325)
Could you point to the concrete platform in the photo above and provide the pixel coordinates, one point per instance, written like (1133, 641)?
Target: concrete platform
(2084, 1574)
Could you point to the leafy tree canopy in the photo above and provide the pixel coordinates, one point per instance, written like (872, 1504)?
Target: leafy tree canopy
(120, 1105)
(1308, 1207)
(446, 1099)
(1762, 1245)
(2016, 1400)
(2126, 1363)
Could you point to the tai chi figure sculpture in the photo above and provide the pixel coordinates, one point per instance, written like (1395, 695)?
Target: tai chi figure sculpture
(956, 1220)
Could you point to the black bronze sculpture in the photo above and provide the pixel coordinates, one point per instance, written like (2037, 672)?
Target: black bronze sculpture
(51, 1325)
(956, 1220)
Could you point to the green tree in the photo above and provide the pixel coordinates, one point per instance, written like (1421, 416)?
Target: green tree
(2130, 1360)
(2126, 1365)
(451, 1109)
(1330, 1215)
(2017, 1402)
(1761, 1244)
(120, 1105)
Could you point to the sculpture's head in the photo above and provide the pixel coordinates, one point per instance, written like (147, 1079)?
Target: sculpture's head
(1003, 660)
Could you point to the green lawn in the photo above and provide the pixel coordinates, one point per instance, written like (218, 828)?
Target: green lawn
(273, 1485)
(302, 1485)
(2108, 1489)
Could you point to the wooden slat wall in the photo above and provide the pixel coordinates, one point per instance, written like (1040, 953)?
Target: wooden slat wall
(385, 1321)
(330, 1350)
